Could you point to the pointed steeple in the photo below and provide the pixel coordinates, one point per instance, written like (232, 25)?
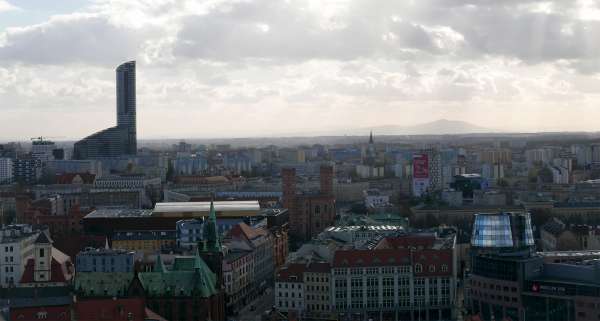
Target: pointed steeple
(371, 138)
(211, 232)
(158, 265)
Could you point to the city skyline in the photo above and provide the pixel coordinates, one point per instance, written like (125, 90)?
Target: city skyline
(519, 66)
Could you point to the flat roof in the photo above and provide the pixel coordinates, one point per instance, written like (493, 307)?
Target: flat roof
(119, 212)
(220, 206)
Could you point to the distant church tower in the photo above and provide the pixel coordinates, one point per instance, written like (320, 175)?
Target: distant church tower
(371, 155)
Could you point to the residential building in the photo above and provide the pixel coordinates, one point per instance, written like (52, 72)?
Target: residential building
(238, 275)
(317, 290)
(289, 289)
(27, 169)
(16, 247)
(260, 242)
(6, 170)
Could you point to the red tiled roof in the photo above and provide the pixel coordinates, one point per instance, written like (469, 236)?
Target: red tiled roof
(397, 257)
(60, 269)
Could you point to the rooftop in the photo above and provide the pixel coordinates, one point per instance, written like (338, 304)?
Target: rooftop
(204, 207)
(119, 212)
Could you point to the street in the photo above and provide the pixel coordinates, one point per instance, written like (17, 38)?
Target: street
(261, 304)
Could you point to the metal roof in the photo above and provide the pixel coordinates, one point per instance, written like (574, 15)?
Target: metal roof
(220, 206)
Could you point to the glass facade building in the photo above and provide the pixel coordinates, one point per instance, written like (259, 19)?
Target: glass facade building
(502, 230)
(122, 139)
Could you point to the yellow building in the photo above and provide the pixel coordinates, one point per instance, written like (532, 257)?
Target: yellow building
(143, 241)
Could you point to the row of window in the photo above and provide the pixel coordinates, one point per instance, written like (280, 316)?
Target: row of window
(316, 279)
(8, 249)
(292, 285)
(432, 268)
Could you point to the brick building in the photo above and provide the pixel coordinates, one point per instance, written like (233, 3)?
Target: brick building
(309, 213)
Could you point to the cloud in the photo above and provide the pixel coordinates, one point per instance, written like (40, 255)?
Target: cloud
(255, 64)
(6, 6)
(75, 38)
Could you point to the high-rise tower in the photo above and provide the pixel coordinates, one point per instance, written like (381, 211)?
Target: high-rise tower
(120, 140)
(126, 105)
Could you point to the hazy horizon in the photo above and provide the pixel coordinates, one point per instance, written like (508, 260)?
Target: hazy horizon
(270, 68)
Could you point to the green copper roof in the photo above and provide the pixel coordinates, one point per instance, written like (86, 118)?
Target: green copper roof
(211, 233)
(189, 276)
(103, 283)
(158, 265)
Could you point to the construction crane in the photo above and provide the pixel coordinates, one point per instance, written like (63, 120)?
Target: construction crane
(42, 138)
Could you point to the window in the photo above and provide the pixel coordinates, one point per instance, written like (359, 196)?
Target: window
(431, 268)
(444, 268)
(418, 268)
(42, 253)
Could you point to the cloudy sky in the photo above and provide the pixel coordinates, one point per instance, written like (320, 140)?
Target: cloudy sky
(223, 68)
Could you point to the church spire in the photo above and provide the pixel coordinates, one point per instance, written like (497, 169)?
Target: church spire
(211, 232)
(371, 138)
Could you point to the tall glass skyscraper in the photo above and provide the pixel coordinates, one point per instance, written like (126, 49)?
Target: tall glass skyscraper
(126, 104)
(120, 140)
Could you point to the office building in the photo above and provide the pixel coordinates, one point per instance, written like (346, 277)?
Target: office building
(42, 150)
(122, 139)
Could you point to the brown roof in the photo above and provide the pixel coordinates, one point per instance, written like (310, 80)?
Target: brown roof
(400, 242)
(291, 273)
(250, 233)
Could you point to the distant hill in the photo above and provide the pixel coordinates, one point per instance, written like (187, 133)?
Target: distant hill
(438, 127)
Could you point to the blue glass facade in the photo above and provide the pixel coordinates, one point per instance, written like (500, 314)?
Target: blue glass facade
(503, 230)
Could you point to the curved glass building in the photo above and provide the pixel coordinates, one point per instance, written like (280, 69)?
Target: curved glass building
(122, 139)
(503, 231)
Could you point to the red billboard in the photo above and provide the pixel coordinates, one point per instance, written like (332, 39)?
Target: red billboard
(420, 166)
